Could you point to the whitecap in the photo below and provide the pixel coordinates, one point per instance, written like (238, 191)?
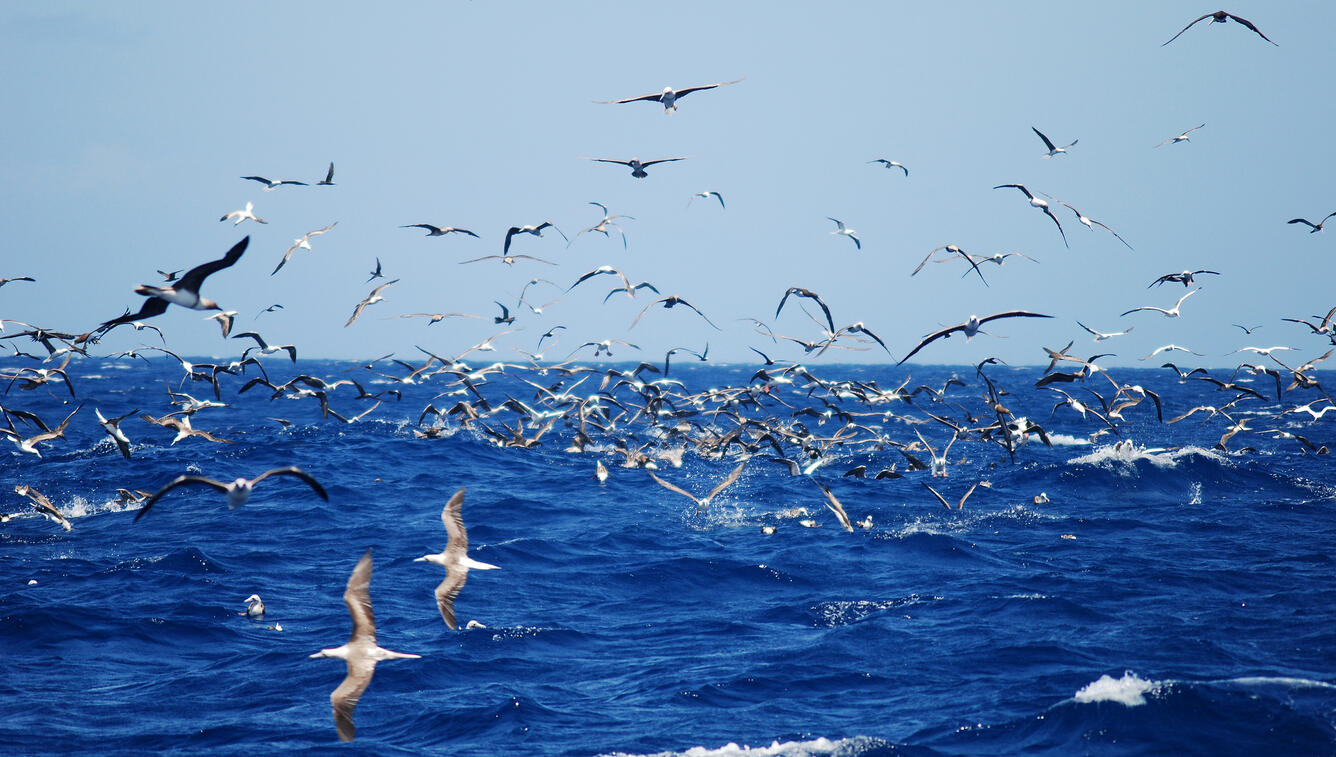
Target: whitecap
(1128, 690)
(820, 747)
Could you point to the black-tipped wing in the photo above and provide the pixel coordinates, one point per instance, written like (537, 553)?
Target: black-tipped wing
(179, 481)
(194, 278)
(1047, 142)
(293, 470)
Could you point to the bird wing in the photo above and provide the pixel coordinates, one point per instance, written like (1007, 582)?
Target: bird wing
(610, 160)
(702, 315)
(648, 163)
(452, 516)
(1189, 26)
(1012, 314)
(1049, 213)
(357, 596)
(1239, 19)
(1017, 186)
(446, 592)
(655, 96)
(260, 179)
(642, 313)
(1305, 221)
(344, 698)
(835, 506)
(1047, 142)
(293, 470)
(929, 339)
(182, 480)
(675, 488)
(727, 482)
(939, 497)
(193, 278)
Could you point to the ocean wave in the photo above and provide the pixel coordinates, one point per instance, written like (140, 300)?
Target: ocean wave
(857, 746)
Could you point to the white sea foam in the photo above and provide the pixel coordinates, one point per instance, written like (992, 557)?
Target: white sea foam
(1066, 440)
(821, 747)
(1128, 690)
(1128, 451)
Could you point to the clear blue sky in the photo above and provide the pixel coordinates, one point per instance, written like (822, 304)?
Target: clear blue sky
(128, 126)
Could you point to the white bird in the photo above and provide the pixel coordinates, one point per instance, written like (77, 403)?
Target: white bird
(1035, 202)
(1171, 348)
(43, 505)
(301, 244)
(1171, 312)
(1091, 223)
(1180, 138)
(892, 164)
(454, 559)
(272, 184)
(707, 195)
(254, 607)
(668, 96)
(238, 492)
(1052, 150)
(371, 299)
(845, 231)
(970, 328)
(245, 214)
(702, 503)
(1100, 335)
(361, 652)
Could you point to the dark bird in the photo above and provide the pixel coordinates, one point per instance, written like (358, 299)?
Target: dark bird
(809, 294)
(184, 291)
(454, 559)
(970, 327)
(636, 165)
(27, 278)
(43, 505)
(238, 491)
(1220, 17)
(376, 274)
(669, 302)
(668, 96)
(328, 181)
(1186, 278)
(1316, 227)
(361, 652)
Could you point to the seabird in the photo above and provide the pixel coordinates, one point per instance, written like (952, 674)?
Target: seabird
(30, 443)
(29, 278)
(1035, 202)
(113, 428)
(536, 230)
(328, 181)
(970, 327)
(376, 274)
(184, 291)
(1100, 335)
(835, 507)
(947, 505)
(636, 165)
(1186, 278)
(830, 322)
(668, 96)
(254, 607)
(1091, 223)
(361, 652)
(894, 164)
(271, 185)
(301, 244)
(1171, 312)
(371, 299)
(507, 259)
(669, 302)
(1220, 17)
(1052, 150)
(602, 226)
(264, 348)
(246, 213)
(43, 505)
(846, 232)
(238, 491)
(1181, 137)
(707, 195)
(702, 503)
(1316, 227)
(454, 559)
(440, 231)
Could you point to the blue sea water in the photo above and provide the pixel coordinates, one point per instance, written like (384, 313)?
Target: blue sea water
(1161, 597)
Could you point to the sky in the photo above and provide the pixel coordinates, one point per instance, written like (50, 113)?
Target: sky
(129, 126)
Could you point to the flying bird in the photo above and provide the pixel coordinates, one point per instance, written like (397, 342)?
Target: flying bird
(184, 291)
(1186, 278)
(270, 184)
(636, 165)
(1052, 150)
(439, 231)
(1171, 312)
(896, 164)
(669, 302)
(1220, 17)
(970, 327)
(845, 231)
(113, 428)
(707, 195)
(1100, 335)
(1181, 137)
(328, 181)
(43, 505)
(702, 503)
(375, 274)
(371, 299)
(246, 213)
(1091, 223)
(668, 96)
(301, 244)
(813, 296)
(29, 278)
(1316, 227)
(361, 652)
(1035, 202)
(238, 492)
(454, 559)
(531, 229)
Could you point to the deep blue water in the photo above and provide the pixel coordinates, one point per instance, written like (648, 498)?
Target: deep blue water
(1168, 598)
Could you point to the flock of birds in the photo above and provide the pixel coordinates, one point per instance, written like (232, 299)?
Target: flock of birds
(642, 417)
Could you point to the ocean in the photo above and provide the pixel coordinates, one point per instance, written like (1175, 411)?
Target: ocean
(1135, 591)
